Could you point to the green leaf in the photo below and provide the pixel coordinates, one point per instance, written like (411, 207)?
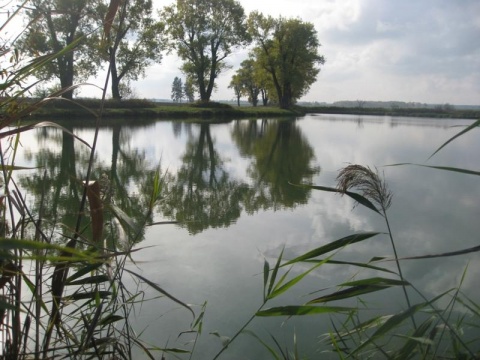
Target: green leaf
(110, 319)
(83, 271)
(88, 295)
(467, 129)
(376, 281)
(362, 265)
(415, 340)
(447, 254)
(266, 273)
(337, 244)
(96, 279)
(302, 310)
(274, 273)
(447, 168)
(20, 244)
(396, 320)
(350, 292)
(281, 289)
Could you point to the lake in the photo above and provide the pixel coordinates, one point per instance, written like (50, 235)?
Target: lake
(228, 186)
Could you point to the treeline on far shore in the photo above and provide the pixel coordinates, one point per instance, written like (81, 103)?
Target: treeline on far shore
(410, 112)
(146, 109)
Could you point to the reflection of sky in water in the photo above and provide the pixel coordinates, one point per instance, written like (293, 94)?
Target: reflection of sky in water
(432, 212)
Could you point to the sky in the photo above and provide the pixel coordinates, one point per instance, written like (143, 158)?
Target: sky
(424, 51)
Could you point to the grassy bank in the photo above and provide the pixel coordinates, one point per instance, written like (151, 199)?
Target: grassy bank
(148, 110)
(144, 109)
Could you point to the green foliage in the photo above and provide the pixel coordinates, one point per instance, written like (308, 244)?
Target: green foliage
(237, 86)
(177, 90)
(204, 34)
(189, 89)
(135, 40)
(58, 25)
(287, 49)
(248, 81)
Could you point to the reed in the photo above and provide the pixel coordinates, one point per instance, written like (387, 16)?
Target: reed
(64, 293)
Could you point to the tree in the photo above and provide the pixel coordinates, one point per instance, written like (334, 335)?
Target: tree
(62, 27)
(237, 86)
(135, 41)
(177, 90)
(288, 50)
(204, 32)
(249, 80)
(189, 89)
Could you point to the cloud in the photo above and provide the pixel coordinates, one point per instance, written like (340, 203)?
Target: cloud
(422, 51)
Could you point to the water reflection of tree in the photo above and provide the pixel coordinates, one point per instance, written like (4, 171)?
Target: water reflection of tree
(130, 177)
(54, 186)
(57, 183)
(202, 194)
(281, 154)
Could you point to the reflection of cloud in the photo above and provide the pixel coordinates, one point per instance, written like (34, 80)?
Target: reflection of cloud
(433, 212)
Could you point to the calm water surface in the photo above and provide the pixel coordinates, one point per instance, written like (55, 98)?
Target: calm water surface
(228, 186)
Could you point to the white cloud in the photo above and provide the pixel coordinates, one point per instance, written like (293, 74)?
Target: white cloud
(426, 51)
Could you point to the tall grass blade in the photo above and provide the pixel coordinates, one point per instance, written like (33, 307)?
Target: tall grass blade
(280, 289)
(447, 254)
(446, 168)
(40, 125)
(274, 274)
(359, 287)
(334, 245)
(416, 339)
(396, 320)
(266, 273)
(356, 264)
(467, 129)
(294, 310)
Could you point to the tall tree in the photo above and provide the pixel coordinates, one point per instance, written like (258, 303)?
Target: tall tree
(204, 32)
(177, 89)
(135, 41)
(288, 50)
(249, 80)
(237, 86)
(62, 27)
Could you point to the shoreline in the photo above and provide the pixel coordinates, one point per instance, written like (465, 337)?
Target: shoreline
(145, 110)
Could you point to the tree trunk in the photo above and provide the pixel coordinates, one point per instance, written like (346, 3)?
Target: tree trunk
(115, 78)
(66, 74)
